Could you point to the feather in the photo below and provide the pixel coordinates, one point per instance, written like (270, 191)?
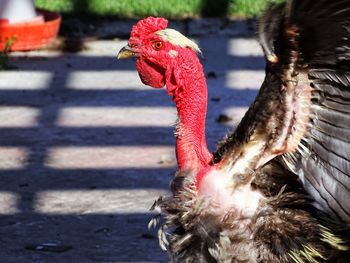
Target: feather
(178, 39)
(277, 188)
(285, 228)
(303, 106)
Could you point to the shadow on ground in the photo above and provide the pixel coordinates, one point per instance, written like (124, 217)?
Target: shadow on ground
(80, 181)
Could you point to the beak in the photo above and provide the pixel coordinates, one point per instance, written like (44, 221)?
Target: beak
(126, 52)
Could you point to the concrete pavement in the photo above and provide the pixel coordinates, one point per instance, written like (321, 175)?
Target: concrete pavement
(85, 148)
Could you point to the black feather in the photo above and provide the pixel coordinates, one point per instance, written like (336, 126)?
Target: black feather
(284, 226)
(312, 37)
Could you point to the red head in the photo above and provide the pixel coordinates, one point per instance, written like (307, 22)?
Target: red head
(157, 50)
(166, 57)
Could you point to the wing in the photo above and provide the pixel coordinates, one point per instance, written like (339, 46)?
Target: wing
(302, 111)
(323, 157)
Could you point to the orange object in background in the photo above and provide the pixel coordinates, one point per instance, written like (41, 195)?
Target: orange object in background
(32, 34)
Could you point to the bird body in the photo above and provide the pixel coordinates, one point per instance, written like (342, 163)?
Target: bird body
(283, 227)
(264, 195)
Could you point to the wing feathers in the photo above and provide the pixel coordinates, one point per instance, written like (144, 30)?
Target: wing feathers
(328, 172)
(321, 40)
(329, 142)
(307, 46)
(335, 117)
(332, 76)
(331, 195)
(333, 131)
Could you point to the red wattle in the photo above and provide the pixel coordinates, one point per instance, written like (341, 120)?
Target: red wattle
(150, 73)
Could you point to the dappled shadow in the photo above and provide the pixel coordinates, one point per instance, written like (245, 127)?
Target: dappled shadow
(94, 237)
(97, 230)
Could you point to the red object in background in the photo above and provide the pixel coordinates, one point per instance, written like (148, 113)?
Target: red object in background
(30, 35)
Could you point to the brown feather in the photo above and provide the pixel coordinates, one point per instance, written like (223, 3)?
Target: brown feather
(285, 227)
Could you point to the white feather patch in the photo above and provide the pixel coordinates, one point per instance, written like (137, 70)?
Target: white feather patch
(177, 39)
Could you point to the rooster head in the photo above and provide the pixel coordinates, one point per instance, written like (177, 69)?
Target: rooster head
(157, 49)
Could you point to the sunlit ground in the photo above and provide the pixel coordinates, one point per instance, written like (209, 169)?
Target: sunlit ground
(84, 146)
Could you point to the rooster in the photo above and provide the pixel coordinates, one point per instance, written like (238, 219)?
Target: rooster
(277, 188)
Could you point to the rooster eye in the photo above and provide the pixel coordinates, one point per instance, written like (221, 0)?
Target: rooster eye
(158, 45)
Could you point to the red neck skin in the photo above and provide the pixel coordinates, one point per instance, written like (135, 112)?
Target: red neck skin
(189, 91)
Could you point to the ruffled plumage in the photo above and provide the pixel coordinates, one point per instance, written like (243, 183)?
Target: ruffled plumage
(285, 228)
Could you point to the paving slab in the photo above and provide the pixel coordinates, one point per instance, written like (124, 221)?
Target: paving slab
(85, 147)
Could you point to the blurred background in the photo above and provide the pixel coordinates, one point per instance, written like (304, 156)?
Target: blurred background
(172, 9)
(85, 147)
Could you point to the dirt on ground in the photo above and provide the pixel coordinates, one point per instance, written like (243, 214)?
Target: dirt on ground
(85, 147)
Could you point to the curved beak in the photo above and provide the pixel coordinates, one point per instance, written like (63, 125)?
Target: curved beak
(126, 52)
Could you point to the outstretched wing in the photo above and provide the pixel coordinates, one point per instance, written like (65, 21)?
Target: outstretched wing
(325, 165)
(302, 111)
